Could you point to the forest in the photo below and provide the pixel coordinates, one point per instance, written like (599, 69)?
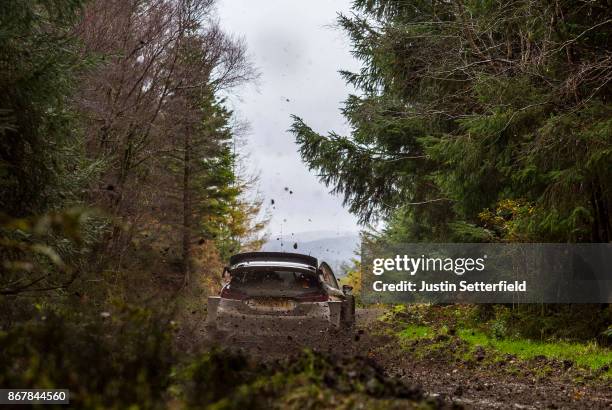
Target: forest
(120, 161)
(477, 122)
(121, 186)
(123, 192)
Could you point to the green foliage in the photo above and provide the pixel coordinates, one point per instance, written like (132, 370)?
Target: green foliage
(224, 380)
(416, 332)
(352, 277)
(45, 252)
(111, 360)
(546, 323)
(45, 232)
(215, 186)
(40, 160)
(66, 149)
(63, 277)
(478, 122)
(430, 339)
(568, 322)
(124, 358)
(588, 355)
(464, 105)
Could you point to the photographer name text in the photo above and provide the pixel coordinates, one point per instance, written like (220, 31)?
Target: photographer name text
(446, 286)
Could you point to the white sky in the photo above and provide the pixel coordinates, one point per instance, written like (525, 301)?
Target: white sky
(298, 55)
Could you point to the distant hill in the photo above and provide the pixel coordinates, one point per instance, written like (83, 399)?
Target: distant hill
(335, 248)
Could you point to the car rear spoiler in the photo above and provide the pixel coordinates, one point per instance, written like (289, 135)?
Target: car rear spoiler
(273, 257)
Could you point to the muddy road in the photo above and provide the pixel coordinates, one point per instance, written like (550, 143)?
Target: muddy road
(453, 384)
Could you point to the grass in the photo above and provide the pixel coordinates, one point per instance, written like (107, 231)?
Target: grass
(585, 355)
(412, 332)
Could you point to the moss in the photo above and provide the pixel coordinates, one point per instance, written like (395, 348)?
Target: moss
(426, 341)
(412, 332)
(588, 355)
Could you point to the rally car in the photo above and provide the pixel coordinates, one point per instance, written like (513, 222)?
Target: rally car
(276, 292)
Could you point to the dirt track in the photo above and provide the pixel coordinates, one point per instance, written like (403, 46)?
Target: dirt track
(448, 381)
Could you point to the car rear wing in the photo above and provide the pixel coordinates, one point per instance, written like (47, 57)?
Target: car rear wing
(273, 257)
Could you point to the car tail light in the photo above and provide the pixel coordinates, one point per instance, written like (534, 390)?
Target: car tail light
(229, 293)
(313, 297)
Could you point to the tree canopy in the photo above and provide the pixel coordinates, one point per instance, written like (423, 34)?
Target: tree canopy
(465, 110)
(116, 147)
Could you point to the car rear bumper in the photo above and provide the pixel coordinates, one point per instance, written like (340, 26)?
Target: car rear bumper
(231, 316)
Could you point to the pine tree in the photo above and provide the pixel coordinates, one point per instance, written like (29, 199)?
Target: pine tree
(462, 106)
(39, 146)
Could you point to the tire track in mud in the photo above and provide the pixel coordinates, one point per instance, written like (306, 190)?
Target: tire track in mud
(441, 380)
(483, 388)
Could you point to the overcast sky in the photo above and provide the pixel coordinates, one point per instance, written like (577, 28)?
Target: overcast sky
(298, 56)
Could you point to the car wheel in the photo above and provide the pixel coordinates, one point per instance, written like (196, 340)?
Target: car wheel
(214, 335)
(348, 312)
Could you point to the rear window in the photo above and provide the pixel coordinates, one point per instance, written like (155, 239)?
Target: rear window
(275, 279)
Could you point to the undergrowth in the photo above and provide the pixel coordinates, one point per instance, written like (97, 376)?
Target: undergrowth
(126, 358)
(428, 330)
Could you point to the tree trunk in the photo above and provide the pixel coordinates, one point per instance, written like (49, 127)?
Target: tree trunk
(186, 211)
(601, 223)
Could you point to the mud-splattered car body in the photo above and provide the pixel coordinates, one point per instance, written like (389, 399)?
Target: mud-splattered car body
(274, 292)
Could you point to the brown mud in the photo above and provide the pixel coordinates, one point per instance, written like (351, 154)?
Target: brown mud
(446, 381)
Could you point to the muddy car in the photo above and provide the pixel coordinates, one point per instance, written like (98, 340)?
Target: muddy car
(274, 292)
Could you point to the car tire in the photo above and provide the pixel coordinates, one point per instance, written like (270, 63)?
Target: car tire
(348, 312)
(214, 335)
